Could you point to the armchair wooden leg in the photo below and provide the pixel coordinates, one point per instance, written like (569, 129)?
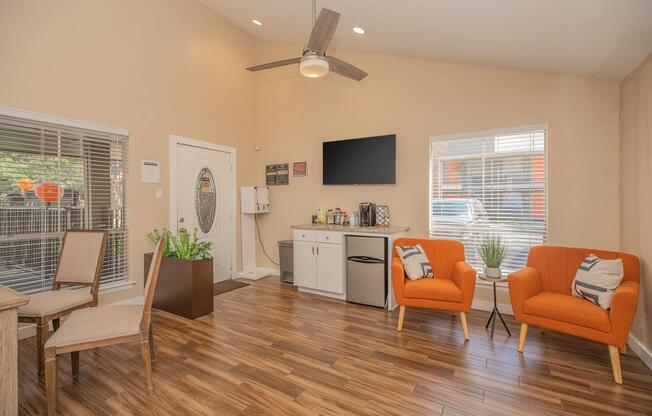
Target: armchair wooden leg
(51, 375)
(74, 361)
(623, 349)
(465, 327)
(521, 338)
(401, 316)
(614, 354)
(151, 343)
(144, 351)
(42, 333)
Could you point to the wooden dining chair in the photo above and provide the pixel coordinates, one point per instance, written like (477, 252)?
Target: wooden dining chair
(80, 264)
(102, 326)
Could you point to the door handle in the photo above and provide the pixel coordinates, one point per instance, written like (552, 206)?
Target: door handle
(318, 250)
(181, 220)
(313, 249)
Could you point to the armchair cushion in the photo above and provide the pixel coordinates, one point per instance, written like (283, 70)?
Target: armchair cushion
(432, 289)
(415, 262)
(568, 309)
(597, 279)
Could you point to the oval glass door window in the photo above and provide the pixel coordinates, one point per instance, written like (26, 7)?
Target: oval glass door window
(205, 200)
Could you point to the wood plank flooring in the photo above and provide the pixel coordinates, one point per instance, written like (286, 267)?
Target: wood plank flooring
(270, 350)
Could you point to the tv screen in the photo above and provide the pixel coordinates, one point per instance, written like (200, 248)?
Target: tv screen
(369, 160)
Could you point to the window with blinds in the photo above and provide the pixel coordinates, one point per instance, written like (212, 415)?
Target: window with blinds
(490, 185)
(55, 178)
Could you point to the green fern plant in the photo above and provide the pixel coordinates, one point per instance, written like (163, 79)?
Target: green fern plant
(182, 245)
(493, 251)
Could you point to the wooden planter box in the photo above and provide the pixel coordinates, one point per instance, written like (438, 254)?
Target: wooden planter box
(185, 287)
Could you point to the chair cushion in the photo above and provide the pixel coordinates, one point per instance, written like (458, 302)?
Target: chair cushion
(596, 280)
(415, 262)
(53, 301)
(96, 324)
(433, 289)
(568, 309)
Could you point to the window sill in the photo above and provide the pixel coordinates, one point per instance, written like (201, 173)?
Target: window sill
(116, 286)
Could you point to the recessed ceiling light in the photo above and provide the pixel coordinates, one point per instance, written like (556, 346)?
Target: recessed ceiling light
(257, 22)
(358, 30)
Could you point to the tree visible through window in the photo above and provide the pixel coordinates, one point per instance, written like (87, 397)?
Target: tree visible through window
(490, 184)
(55, 178)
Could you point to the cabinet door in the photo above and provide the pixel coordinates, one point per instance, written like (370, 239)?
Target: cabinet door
(329, 268)
(305, 266)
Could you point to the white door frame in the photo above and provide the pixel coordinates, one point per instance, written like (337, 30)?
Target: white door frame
(174, 141)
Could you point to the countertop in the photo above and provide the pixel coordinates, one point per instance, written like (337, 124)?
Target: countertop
(392, 229)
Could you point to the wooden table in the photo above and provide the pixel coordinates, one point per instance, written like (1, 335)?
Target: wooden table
(10, 300)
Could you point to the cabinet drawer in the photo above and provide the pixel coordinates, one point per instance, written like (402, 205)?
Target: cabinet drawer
(329, 237)
(304, 235)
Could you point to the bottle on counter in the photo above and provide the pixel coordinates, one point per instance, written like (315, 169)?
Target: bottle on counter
(345, 218)
(354, 219)
(321, 216)
(330, 219)
(338, 217)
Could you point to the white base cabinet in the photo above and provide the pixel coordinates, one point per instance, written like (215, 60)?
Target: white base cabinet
(318, 261)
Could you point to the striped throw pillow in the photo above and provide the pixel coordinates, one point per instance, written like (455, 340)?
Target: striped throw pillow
(415, 262)
(597, 279)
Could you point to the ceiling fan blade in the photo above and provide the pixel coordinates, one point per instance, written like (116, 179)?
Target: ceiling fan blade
(274, 64)
(345, 69)
(323, 31)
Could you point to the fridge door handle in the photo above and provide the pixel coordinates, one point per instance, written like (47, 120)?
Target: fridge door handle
(313, 249)
(318, 250)
(365, 259)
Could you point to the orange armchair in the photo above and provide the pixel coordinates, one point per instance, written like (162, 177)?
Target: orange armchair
(541, 295)
(451, 289)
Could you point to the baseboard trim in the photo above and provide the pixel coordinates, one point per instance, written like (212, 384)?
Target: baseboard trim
(29, 330)
(640, 350)
(257, 274)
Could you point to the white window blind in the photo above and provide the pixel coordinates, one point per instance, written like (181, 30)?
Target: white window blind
(55, 178)
(492, 184)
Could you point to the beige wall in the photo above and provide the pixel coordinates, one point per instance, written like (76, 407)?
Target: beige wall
(154, 67)
(418, 98)
(636, 186)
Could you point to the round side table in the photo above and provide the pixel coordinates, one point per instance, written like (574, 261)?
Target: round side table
(495, 312)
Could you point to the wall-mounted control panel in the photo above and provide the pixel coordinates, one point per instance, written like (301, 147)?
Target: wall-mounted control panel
(254, 200)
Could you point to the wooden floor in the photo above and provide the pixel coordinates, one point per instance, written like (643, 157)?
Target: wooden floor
(269, 350)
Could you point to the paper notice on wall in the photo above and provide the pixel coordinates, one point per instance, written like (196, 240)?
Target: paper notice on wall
(151, 171)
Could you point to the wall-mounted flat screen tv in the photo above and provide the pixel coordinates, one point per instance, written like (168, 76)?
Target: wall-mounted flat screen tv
(368, 160)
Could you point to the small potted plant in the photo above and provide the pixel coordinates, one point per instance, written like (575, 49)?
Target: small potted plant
(492, 251)
(185, 282)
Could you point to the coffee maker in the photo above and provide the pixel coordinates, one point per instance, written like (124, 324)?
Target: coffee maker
(367, 214)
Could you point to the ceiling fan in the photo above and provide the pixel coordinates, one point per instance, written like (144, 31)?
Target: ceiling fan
(314, 63)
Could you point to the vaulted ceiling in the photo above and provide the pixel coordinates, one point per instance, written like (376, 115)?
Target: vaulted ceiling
(601, 38)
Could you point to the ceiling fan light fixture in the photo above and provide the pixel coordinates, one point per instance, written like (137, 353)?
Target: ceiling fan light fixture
(256, 22)
(313, 66)
(359, 30)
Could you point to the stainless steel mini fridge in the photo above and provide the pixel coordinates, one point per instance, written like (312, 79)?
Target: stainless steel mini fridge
(366, 270)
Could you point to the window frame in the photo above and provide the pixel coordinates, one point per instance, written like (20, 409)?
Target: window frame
(484, 133)
(69, 123)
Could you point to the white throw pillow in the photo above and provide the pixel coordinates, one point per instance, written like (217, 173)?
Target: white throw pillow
(597, 279)
(415, 262)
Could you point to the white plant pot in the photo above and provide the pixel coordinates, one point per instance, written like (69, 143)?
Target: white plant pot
(493, 272)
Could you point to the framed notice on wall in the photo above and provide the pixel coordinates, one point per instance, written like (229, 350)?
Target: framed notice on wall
(300, 169)
(278, 174)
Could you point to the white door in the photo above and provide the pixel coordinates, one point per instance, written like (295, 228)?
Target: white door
(305, 268)
(205, 198)
(329, 268)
